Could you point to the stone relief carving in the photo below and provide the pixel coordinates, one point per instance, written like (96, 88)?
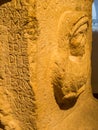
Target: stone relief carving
(14, 33)
(36, 31)
(69, 78)
(79, 36)
(7, 120)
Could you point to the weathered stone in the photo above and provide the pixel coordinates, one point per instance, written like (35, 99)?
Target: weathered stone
(45, 65)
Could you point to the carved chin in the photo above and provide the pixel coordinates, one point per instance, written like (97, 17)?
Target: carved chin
(67, 87)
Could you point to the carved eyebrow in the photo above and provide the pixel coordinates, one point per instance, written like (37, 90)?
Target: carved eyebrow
(82, 28)
(81, 25)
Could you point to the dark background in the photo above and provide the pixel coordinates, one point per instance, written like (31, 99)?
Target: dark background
(95, 62)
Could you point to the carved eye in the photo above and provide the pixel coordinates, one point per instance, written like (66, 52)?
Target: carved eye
(78, 40)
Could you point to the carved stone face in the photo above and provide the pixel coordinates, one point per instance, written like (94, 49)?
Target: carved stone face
(72, 63)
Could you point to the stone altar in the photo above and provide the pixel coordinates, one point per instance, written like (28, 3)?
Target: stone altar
(45, 68)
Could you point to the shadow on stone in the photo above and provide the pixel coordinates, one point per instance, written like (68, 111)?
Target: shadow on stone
(63, 103)
(4, 1)
(2, 126)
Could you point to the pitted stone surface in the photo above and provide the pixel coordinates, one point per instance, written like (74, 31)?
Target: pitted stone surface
(45, 65)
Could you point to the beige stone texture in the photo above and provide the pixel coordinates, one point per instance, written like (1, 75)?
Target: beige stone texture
(45, 65)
